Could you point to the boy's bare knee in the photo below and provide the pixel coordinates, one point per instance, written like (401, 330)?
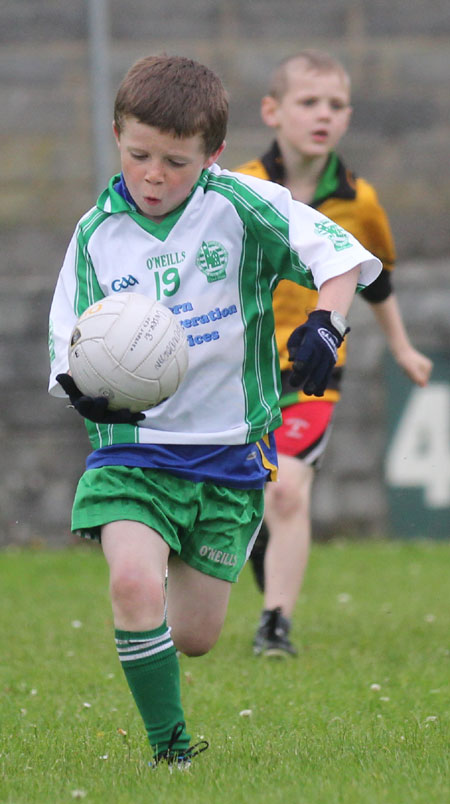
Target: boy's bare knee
(132, 587)
(287, 500)
(194, 644)
(195, 648)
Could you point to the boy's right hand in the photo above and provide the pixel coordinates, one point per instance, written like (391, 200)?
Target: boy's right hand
(96, 408)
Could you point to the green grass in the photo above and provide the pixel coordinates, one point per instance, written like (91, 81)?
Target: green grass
(370, 613)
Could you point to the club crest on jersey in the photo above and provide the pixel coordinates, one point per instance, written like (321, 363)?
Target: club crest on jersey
(338, 236)
(212, 260)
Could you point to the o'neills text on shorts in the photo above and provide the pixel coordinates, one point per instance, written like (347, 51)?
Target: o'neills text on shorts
(218, 556)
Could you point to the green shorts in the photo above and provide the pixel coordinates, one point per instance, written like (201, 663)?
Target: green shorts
(212, 528)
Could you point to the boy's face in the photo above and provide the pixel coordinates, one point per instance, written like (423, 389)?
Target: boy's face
(313, 114)
(160, 169)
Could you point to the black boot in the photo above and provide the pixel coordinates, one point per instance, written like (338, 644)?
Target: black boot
(272, 636)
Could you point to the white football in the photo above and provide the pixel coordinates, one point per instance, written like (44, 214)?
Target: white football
(130, 349)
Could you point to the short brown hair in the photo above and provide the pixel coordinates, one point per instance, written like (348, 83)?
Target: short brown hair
(315, 60)
(174, 94)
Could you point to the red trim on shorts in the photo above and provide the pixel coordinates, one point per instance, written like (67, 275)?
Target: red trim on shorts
(303, 424)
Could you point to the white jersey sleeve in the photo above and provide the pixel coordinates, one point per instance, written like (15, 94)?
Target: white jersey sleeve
(62, 318)
(301, 243)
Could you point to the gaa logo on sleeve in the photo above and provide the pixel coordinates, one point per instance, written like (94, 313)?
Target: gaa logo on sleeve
(338, 236)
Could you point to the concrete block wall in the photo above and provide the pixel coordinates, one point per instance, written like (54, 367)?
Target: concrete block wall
(397, 55)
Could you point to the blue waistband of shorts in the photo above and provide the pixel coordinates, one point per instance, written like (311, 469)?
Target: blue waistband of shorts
(237, 466)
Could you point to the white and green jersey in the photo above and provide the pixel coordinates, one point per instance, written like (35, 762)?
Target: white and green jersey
(215, 262)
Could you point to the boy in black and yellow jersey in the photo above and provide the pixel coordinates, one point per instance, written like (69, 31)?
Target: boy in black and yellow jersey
(308, 106)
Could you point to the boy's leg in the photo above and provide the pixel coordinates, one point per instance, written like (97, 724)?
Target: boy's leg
(287, 515)
(301, 442)
(137, 558)
(196, 607)
(211, 558)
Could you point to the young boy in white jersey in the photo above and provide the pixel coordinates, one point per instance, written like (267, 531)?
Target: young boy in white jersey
(182, 484)
(308, 108)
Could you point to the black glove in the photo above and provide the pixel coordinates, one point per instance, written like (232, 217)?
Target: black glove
(313, 349)
(96, 408)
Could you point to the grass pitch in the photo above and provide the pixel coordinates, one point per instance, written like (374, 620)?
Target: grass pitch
(362, 716)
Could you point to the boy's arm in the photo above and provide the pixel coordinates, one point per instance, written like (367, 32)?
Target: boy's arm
(381, 297)
(338, 293)
(62, 319)
(313, 346)
(416, 365)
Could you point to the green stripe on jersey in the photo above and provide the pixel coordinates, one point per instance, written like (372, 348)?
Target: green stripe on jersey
(87, 292)
(88, 289)
(265, 246)
(260, 371)
(270, 225)
(104, 435)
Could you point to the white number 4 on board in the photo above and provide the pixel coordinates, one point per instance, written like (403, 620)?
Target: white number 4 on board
(419, 452)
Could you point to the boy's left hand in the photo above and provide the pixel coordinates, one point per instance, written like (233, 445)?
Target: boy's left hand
(96, 408)
(313, 349)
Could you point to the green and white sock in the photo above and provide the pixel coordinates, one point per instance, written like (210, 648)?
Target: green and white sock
(151, 668)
